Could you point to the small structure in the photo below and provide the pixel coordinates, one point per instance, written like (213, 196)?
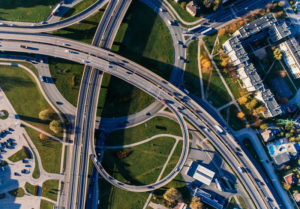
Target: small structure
(290, 179)
(296, 197)
(192, 8)
(200, 173)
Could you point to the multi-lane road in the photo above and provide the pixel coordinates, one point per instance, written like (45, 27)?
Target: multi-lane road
(143, 78)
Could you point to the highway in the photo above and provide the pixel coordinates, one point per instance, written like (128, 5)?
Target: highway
(141, 77)
(109, 23)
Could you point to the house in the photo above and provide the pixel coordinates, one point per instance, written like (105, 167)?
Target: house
(270, 133)
(266, 26)
(282, 151)
(200, 173)
(290, 179)
(192, 8)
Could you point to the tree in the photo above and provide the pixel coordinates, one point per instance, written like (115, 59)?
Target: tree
(242, 100)
(263, 126)
(286, 186)
(55, 126)
(221, 32)
(240, 115)
(42, 136)
(46, 114)
(277, 54)
(172, 195)
(196, 203)
(183, 5)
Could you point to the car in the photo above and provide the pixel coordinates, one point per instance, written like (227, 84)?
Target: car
(59, 103)
(66, 44)
(148, 113)
(17, 174)
(28, 166)
(164, 101)
(25, 161)
(42, 78)
(44, 22)
(10, 129)
(25, 171)
(85, 61)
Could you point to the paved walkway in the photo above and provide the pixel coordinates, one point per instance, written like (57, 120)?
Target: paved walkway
(140, 142)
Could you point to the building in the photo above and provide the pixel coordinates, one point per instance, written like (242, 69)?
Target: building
(267, 135)
(266, 26)
(200, 173)
(217, 202)
(291, 55)
(296, 196)
(290, 179)
(192, 8)
(282, 151)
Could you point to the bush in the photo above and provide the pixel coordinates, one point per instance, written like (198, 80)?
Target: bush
(55, 126)
(46, 114)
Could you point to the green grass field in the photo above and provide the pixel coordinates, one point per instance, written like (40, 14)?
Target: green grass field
(24, 95)
(114, 198)
(144, 163)
(78, 8)
(118, 98)
(20, 155)
(30, 188)
(26, 11)
(17, 192)
(144, 38)
(154, 126)
(49, 151)
(233, 120)
(62, 72)
(209, 41)
(46, 204)
(83, 31)
(191, 73)
(217, 93)
(50, 189)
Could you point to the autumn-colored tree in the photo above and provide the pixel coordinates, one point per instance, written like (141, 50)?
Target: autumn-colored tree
(242, 100)
(240, 115)
(172, 195)
(263, 126)
(183, 5)
(277, 54)
(221, 32)
(42, 136)
(55, 126)
(282, 73)
(196, 203)
(286, 186)
(46, 114)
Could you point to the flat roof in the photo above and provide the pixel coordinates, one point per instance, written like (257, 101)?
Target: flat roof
(200, 173)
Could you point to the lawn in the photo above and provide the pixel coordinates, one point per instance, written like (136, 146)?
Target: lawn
(24, 95)
(157, 125)
(67, 77)
(242, 202)
(118, 98)
(20, 155)
(144, 38)
(222, 40)
(46, 204)
(217, 93)
(232, 204)
(49, 151)
(143, 165)
(78, 8)
(17, 192)
(114, 198)
(209, 41)
(191, 73)
(50, 189)
(32, 189)
(83, 31)
(233, 120)
(26, 11)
